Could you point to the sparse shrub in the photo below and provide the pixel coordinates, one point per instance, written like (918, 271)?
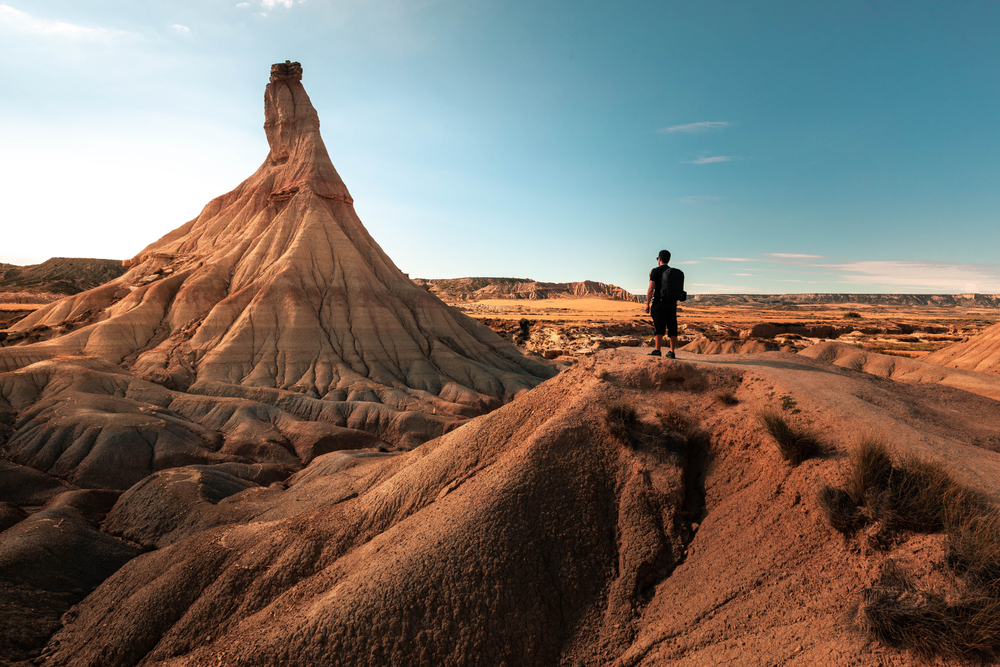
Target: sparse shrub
(896, 613)
(973, 530)
(727, 397)
(840, 509)
(922, 490)
(869, 467)
(910, 494)
(796, 444)
(913, 494)
(621, 418)
(852, 316)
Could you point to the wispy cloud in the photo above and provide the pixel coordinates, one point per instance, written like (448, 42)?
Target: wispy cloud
(242, 5)
(698, 199)
(695, 128)
(271, 4)
(181, 28)
(732, 259)
(693, 261)
(793, 255)
(705, 159)
(23, 22)
(929, 277)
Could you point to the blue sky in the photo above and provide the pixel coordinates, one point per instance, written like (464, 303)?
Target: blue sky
(773, 147)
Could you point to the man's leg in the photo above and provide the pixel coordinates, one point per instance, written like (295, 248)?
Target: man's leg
(659, 341)
(673, 343)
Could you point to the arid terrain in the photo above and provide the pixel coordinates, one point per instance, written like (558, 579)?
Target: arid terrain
(262, 444)
(907, 325)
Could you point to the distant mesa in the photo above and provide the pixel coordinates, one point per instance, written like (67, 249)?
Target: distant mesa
(943, 300)
(477, 289)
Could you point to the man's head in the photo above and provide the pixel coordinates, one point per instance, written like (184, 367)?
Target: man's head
(664, 256)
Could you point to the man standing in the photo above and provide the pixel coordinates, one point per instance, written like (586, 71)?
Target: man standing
(666, 288)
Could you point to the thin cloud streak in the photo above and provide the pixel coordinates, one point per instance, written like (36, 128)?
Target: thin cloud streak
(732, 259)
(695, 128)
(23, 22)
(930, 277)
(794, 255)
(712, 159)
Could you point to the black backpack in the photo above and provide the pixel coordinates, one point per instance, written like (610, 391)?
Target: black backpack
(672, 285)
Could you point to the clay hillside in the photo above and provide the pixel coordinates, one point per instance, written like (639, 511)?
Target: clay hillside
(979, 353)
(477, 289)
(627, 512)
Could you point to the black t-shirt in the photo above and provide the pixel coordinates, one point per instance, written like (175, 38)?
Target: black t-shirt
(656, 275)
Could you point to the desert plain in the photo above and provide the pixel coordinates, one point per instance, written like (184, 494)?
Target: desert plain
(260, 443)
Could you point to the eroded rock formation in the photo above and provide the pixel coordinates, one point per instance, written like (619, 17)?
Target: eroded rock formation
(278, 285)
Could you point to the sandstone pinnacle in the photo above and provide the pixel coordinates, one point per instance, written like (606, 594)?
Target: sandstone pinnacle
(278, 285)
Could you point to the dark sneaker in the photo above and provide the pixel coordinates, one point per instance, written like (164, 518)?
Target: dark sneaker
(671, 355)
(654, 353)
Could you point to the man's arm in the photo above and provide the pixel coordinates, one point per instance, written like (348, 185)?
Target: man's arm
(649, 294)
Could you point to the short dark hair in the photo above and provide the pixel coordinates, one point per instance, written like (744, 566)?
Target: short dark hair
(665, 256)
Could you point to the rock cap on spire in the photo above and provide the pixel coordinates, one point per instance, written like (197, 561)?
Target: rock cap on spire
(286, 71)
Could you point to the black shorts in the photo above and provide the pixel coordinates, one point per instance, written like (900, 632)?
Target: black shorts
(664, 318)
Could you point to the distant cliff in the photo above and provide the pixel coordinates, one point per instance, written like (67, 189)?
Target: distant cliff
(946, 300)
(476, 289)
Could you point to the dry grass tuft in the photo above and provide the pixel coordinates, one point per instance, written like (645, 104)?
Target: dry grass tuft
(727, 397)
(796, 444)
(896, 613)
(840, 509)
(622, 419)
(907, 493)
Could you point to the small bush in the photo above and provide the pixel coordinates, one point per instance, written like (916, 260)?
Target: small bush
(840, 509)
(896, 613)
(911, 494)
(852, 316)
(973, 532)
(727, 397)
(621, 418)
(795, 444)
(869, 467)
